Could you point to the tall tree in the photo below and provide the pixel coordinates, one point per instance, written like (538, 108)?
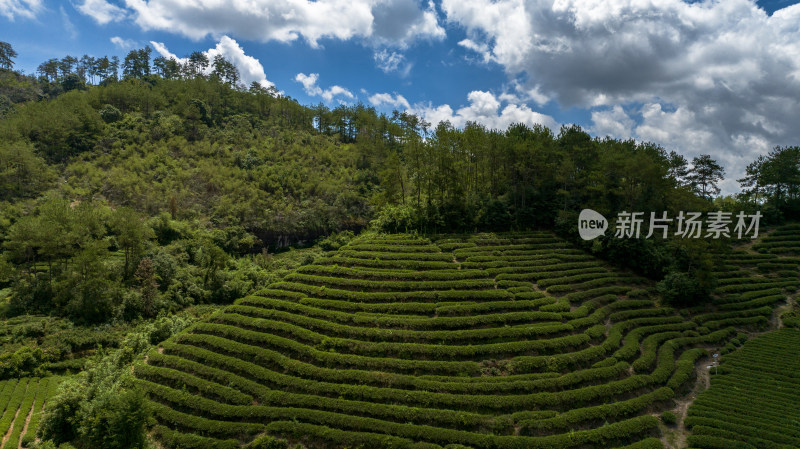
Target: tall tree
(113, 68)
(197, 65)
(49, 70)
(86, 68)
(781, 172)
(137, 63)
(678, 168)
(705, 174)
(132, 236)
(753, 181)
(7, 55)
(225, 71)
(168, 68)
(67, 65)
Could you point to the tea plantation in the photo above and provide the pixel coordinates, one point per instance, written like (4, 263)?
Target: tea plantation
(22, 402)
(482, 341)
(752, 402)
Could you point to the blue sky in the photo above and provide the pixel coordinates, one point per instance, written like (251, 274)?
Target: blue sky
(702, 77)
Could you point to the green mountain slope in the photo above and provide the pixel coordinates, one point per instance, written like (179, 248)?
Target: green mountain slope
(753, 400)
(512, 340)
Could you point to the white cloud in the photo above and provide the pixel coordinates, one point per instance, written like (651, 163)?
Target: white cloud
(309, 83)
(485, 108)
(123, 44)
(612, 122)
(399, 22)
(480, 48)
(23, 8)
(101, 11)
(392, 61)
(250, 69)
(723, 72)
(397, 101)
(382, 22)
(535, 93)
(684, 130)
(162, 50)
(69, 27)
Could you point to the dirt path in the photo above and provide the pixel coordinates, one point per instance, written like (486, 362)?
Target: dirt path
(10, 429)
(25, 427)
(675, 438)
(775, 321)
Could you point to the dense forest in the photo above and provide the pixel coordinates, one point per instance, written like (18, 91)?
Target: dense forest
(176, 180)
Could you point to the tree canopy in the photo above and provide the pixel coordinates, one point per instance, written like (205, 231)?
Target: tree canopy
(7, 55)
(168, 184)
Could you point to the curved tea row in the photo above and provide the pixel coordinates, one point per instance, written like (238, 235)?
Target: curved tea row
(752, 402)
(21, 404)
(483, 341)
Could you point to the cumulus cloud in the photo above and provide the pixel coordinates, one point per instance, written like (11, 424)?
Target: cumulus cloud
(390, 22)
(480, 48)
(22, 8)
(309, 83)
(392, 61)
(101, 11)
(397, 101)
(250, 69)
(485, 108)
(612, 122)
(398, 22)
(684, 128)
(123, 44)
(162, 50)
(725, 71)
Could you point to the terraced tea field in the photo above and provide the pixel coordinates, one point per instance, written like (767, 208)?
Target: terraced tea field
(22, 402)
(482, 341)
(753, 401)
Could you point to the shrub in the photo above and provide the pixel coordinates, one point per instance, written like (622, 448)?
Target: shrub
(267, 442)
(336, 240)
(681, 289)
(110, 114)
(669, 418)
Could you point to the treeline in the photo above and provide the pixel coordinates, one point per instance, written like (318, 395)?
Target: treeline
(772, 182)
(218, 175)
(72, 72)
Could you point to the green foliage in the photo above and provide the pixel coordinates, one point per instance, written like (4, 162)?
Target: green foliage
(110, 114)
(776, 179)
(680, 289)
(395, 219)
(791, 318)
(704, 175)
(7, 55)
(23, 173)
(267, 442)
(218, 173)
(22, 362)
(755, 416)
(668, 418)
(59, 129)
(100, 407)
(118, 422)
(341, 378)
(336, 240)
